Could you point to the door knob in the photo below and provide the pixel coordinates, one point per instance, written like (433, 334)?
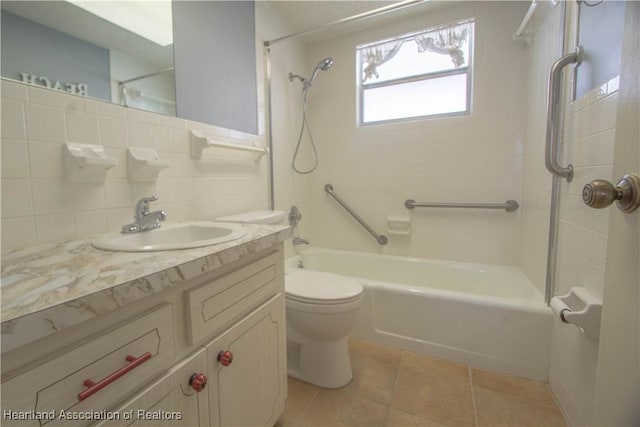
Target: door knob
(600, 193)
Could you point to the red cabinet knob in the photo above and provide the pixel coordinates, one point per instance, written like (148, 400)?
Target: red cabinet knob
(198, 382)
(225, 358)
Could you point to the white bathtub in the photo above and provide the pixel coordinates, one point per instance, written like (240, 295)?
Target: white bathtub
(487, 316)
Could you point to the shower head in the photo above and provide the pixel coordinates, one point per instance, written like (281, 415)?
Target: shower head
(323, 65)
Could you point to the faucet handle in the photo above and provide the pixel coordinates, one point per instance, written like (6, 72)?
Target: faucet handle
(142, 207)
(149, 199)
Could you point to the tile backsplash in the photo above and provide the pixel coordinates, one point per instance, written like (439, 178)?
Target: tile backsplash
(39, 204)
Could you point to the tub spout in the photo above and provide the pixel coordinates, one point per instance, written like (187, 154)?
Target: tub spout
(300, 241)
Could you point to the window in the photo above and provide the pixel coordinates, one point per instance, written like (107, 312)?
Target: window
(423, 74)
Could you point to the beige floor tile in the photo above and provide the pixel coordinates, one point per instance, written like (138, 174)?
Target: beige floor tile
(435, 367)
(299, 396)
(395, 388)
(380, 353)
(339, 408)
(372, 379)
(445, 400)
(497, 409)
(285, 421)
(535, 391)
(402, 419)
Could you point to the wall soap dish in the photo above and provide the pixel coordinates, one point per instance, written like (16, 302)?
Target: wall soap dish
(143, 165)
(86, 163)
(581, 308)
(398, 225)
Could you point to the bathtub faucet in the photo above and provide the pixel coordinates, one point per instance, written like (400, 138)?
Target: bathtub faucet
(300, 241)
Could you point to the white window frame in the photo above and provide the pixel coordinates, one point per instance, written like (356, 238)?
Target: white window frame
(468, 69)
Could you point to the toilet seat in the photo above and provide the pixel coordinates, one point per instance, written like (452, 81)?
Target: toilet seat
(315, 287)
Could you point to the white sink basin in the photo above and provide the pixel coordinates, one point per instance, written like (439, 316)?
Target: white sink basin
(173, 236)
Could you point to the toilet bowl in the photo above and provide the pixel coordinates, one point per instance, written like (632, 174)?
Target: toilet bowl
(321, 309)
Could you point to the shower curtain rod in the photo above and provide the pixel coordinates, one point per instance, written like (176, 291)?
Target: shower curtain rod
(379, 11)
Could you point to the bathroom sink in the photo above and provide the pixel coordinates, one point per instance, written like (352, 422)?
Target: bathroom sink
(174, 236)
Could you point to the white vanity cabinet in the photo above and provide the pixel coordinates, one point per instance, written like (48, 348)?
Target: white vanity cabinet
(250, 391)
(173, 400)
(246, 363)
(239, 315)
(93, 375)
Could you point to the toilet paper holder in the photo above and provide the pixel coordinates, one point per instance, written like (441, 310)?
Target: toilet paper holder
(581, 308)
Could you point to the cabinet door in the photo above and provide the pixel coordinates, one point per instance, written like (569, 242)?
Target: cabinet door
(171, 401)
(251, 390)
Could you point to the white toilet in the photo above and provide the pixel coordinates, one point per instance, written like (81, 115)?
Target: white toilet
(322, 309)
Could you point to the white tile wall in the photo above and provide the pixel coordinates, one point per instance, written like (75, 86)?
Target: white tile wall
(582, 246)
(476, 158)
(39, 204)
(15, 162)
(582, 234)
(544, 49)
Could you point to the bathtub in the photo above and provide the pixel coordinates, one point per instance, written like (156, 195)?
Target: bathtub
(487, 316)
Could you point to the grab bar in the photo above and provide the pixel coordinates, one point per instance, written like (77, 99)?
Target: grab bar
(553, 100)
(509, 205)
(382, 240)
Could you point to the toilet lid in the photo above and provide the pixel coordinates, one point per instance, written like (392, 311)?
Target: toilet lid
(321, 288)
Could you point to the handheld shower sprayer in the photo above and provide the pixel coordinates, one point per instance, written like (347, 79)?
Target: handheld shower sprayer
(323, 65)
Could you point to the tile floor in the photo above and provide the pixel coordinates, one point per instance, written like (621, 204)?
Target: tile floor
(391, 387)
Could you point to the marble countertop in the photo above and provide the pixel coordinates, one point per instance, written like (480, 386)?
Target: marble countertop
(51, 286)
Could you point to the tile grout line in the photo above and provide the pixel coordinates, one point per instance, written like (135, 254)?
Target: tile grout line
(306, 408)
(395, 387)
(473, 397)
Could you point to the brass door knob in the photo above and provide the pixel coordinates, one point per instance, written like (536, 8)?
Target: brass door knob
(600, 193)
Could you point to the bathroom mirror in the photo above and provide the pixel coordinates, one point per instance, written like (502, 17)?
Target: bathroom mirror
(61, 46)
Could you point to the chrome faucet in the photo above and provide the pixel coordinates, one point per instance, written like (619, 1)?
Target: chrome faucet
(145, 220)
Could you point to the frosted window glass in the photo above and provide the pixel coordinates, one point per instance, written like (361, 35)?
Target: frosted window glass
(441, 95)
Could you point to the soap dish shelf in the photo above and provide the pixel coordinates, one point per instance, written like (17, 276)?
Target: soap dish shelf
(143, 165)
(86, 163)
(399, 225)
